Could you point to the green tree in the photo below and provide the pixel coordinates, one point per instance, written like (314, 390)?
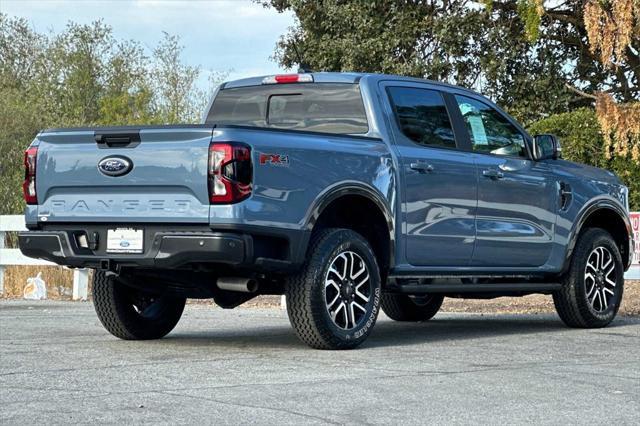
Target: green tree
(177, 101)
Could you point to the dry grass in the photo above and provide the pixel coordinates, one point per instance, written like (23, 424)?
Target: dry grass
(58, 280)
(533, 304)
(536, 303)
(59, 283)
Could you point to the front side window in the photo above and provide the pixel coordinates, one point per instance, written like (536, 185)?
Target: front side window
(422, 116)
(490, 131)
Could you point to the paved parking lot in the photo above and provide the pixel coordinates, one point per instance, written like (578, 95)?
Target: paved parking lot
(57, 365)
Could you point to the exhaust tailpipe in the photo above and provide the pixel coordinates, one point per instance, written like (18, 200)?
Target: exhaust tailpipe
(243, 285)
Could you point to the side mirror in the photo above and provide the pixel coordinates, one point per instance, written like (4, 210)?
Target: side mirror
(546, 146)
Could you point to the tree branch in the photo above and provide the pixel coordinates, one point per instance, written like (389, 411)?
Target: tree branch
(565, 16)
(580, 92)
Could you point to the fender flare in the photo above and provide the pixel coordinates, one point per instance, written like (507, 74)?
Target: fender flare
(341, 189)
(601, 203)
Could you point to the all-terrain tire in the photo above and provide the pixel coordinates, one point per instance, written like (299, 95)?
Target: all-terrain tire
(308, 293)
(401, 307)
(575, 303)
(133, 314)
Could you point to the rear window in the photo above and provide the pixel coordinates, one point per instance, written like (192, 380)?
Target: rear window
(320, 107)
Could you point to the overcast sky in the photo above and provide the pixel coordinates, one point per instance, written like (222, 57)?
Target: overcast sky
(217, 35)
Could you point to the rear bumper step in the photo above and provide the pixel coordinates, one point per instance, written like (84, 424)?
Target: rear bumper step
(167, 250)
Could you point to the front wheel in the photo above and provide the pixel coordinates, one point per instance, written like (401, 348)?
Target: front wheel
(133, 314)
(334, 301)
(592, 287)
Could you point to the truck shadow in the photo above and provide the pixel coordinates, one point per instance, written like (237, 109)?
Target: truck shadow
(390, 333)
(385, 333)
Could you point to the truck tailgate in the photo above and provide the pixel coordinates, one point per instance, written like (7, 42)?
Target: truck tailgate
(166, 180)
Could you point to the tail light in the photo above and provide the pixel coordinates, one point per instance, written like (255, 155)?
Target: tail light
(230, 172)
(29, 184)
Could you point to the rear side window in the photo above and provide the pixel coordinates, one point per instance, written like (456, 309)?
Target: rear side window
(422, 116)
(320, 107)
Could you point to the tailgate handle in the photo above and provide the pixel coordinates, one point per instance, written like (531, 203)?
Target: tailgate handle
(117, 139)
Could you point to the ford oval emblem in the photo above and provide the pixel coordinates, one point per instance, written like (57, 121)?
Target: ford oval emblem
(115, 166)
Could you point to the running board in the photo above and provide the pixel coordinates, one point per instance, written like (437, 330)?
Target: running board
(474, 288)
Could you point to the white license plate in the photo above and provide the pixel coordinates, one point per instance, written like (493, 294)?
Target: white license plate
(125, 240)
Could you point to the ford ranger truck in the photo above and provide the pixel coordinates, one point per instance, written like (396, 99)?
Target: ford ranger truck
(348, 193)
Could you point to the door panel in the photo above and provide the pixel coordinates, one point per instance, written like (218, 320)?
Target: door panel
(439, 207)
(516, 212)
(516, 196)
(439, 195)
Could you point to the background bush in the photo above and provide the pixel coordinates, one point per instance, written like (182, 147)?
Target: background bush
(582, 141)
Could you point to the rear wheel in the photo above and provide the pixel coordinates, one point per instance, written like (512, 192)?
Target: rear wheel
(334, 301)
(592, 288)
(133, 314)
(401, 307)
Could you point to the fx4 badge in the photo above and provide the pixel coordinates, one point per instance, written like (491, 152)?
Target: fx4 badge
(274, 159)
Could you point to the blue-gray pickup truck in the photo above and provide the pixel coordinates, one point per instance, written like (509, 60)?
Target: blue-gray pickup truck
(349, 193)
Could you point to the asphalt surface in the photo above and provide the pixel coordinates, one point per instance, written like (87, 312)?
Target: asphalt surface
(57, 365)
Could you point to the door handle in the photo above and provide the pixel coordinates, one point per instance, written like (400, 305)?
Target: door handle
(493, 174)
(421, 167)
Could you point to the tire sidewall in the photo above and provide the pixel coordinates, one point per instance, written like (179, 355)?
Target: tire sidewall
(116, 313)
(340, 242)
(601, 239)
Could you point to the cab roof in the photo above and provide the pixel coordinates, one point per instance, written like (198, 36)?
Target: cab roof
(339, 77)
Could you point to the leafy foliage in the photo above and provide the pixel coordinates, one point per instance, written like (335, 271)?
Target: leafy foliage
(530, 11)
(620, 124)
(84, 77)
(610, 26)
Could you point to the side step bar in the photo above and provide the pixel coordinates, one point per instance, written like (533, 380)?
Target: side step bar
(473, 288)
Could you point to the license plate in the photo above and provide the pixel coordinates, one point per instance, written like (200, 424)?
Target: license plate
(125, 240)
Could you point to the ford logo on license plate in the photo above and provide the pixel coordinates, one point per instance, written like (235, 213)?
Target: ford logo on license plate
(115, 166)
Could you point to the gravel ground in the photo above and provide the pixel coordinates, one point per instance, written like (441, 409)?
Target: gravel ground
(533, 304)
(57, 365)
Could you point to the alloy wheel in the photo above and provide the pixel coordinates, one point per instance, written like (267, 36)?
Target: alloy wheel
(347, 290)
(600, 278)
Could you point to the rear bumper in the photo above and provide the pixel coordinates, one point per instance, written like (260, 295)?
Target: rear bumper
(167, 249)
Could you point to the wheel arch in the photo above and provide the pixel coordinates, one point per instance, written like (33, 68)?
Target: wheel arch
(332, 205)
(608, 215)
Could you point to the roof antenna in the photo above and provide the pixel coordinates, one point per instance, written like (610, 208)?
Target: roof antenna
(303, 67)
